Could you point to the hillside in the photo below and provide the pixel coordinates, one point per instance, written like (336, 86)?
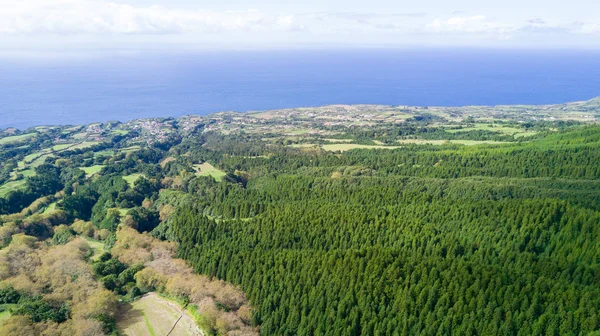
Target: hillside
(340, 220)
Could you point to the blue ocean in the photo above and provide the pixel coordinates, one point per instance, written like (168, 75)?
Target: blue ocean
(57, 90)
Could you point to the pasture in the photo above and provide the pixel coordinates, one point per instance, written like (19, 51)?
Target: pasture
(5, 312)
(206, 169)
(132, 178)
(342, 147)
(92, 170)
(337, 140)
(504, 129)
(61, 147)
(96, 246)
(130, 149)
(84, 145)
(346, 147)
(50, 208)
(10, 186)
(16, 138)
(444, 142)
(106, 152)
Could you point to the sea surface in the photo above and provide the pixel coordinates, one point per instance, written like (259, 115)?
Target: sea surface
(57, 90)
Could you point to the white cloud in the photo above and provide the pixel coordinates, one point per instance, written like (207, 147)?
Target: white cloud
(533, 29)
(29, 22)
(467, 24)
(359, 23)
(98, 17)
(589, 28)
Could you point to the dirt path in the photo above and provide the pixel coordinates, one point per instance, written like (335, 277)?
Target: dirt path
(153, 315)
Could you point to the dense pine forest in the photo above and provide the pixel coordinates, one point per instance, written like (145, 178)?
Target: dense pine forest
(498, 237)
(477, 241)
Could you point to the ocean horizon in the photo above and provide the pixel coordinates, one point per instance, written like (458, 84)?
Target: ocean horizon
(36, 91)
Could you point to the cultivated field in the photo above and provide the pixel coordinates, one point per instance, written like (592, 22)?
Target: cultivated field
(153, 315)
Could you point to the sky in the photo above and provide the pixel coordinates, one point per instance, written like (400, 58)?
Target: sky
(279, 24)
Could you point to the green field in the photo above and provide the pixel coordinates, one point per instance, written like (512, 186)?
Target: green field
(338, 140)
(346, 147)
(343, 146)
(44, 128)
(40, 160)
(26, 167)
(206, 169)
(97, 247)
(105, 152)
(304, 145)
(477, 142)
(155, 316)
(12, 185)
(119, 132)
(5, 314)
(27, 172)
(31, 157)
(72, 129)
(92, 170)
(123, 212)
(130, 149)
(70, 146)
(61, 147)
(50, 208)
(444, 142)
(298, 131)
(16, 138)
(85, 144)
(489, 127)
(28, 159)
(526, 133)
(132, 178)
